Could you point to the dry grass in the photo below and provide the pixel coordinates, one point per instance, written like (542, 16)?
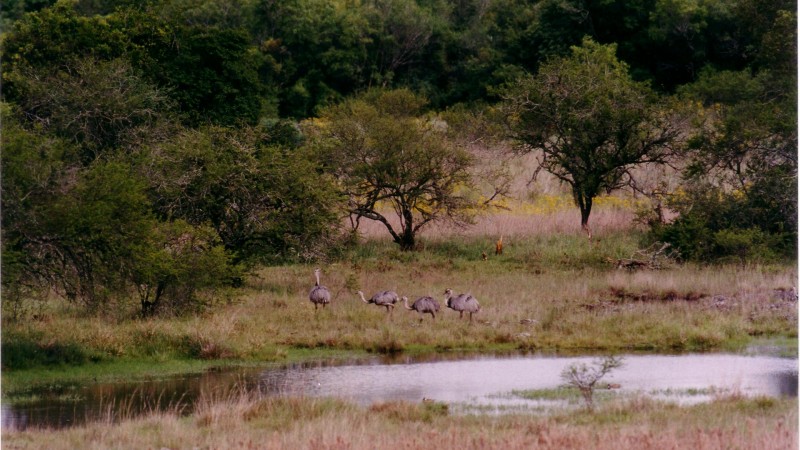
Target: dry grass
(541, 207)
(523, 220)
(531, 298)
(247, 422)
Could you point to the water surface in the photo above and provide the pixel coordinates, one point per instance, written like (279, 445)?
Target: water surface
(476, 381)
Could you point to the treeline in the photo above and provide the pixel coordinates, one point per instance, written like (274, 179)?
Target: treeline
(152, 149)
(230, 60)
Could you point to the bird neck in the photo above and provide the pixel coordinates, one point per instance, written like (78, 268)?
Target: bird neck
(361, 294)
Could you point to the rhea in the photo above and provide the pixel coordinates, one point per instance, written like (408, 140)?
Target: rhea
(423, 305)
(462, 303)
(386, 299)
(319, 295)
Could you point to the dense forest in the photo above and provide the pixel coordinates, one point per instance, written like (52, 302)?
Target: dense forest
(151, 149)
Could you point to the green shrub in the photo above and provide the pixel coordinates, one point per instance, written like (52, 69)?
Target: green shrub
(20, 354)
(721, 226)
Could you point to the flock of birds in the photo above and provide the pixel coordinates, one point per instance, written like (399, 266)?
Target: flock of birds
(320, 295)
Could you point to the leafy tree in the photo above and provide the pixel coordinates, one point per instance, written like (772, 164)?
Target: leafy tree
(88, 232)
(740, 198)
(32, 171)
(385, 153)
(179, 261)
(101, 106)
(57, 34)
(266, 202)
(589, 121)
(212, 73)
(11, 10)
(403, 31)
(82, 237)
(318, 48)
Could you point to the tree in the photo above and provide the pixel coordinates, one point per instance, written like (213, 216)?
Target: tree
(212, 73)
(265, 201)
(89, 234)
(101, 106)
(318, 49)
(383, 151)
(585, 378)
(740, 191)
(590, 122)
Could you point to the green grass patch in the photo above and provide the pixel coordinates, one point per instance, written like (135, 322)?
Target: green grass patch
(559, 393)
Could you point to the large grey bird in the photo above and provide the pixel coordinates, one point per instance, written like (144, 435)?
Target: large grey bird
(462, 303)
(382, 298)
(423, 305)
(319, 295)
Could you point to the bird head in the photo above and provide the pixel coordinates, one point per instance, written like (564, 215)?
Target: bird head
(448, 291)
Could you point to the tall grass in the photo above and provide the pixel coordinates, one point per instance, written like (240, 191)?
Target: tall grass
(248, 421)
(544, 293)
(545, 215)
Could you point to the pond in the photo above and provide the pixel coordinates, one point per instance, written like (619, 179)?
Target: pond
(478, 383)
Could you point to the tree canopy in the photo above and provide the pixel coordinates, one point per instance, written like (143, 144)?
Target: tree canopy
(152, 150)
(383, 150)
(591, 122)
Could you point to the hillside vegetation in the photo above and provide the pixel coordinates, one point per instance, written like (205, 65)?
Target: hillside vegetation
(174, 170)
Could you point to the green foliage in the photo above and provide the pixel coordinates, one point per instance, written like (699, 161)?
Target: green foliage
(13, 10)
(100, 106)
(265, 202)
(212, 73)
(179, 261)
(20, 354)
(382, 150)
(718, 226)
(89, 233)
(590, 121)
(741, 195)
(56, 35)
(318, 49)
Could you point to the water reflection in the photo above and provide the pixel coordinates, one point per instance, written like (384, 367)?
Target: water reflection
(452, 379)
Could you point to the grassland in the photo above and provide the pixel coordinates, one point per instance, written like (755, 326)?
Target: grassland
(246, 422)
(556, 293)
(551, 290)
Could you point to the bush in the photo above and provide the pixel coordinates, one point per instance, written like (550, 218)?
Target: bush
(22, 353)
(720, 226)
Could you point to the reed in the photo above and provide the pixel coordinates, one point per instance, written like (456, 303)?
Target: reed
(251, 422)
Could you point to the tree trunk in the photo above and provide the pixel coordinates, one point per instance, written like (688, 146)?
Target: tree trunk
(149, 307)
(585, 204)
(406, 238)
